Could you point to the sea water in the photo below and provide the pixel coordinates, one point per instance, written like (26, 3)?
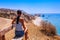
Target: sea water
(53, 19)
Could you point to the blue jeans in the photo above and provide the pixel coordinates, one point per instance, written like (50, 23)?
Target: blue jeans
(19, 33)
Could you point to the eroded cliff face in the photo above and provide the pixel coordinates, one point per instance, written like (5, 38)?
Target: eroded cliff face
(45, 30)
(42, 33)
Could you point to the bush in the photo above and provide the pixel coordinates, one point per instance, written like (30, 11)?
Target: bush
(48, 29)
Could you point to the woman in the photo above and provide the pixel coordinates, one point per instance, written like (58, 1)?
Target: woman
(20, 29)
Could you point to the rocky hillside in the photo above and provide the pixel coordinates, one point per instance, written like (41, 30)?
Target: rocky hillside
(45, 30)
(40, 33)
(9, 13)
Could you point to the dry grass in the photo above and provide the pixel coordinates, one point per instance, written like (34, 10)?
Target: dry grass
(33, 32)
(36, 34)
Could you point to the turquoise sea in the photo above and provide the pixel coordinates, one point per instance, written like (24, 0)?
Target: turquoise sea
(54, 19)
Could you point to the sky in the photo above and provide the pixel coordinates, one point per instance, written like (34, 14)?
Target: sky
(32, 6)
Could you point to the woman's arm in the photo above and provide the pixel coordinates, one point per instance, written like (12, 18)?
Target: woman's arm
(25, 28)
(13, 20)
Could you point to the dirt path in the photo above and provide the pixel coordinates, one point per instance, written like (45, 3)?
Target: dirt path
(33, 32)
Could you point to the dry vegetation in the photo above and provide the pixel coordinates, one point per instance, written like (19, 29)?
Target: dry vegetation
(45, 32)
(48, 28)
(36, 33)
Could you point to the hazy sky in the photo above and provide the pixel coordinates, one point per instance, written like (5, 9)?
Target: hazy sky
(32, 6)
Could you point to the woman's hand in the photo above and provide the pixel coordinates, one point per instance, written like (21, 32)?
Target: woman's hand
(25, 30)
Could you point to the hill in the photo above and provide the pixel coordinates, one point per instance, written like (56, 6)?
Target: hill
(45, 30)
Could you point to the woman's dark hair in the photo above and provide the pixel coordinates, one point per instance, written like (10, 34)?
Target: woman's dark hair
(18, 12)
